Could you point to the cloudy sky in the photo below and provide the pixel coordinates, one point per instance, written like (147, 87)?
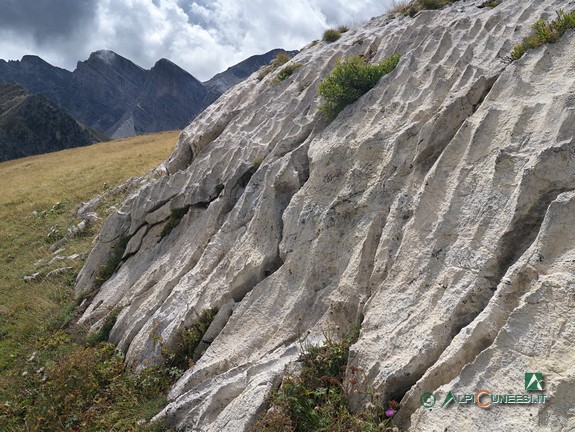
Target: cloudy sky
(202, 36)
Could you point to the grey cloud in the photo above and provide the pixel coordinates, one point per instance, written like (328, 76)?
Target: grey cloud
(45, 19)
(202, 36)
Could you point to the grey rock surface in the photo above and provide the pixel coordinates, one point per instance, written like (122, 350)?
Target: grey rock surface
(437, 211)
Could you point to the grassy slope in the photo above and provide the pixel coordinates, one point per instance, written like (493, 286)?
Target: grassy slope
(30, 313)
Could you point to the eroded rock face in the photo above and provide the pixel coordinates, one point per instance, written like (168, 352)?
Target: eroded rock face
(437, 211)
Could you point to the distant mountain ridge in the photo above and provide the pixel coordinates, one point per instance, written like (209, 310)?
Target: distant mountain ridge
(221, 82)
(118, 98)
(30, 124)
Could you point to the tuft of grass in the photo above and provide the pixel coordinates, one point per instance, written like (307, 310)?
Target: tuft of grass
(490, 4)
(434, 4)
(349, 80)
(256, 164)
(413, 7)
(544, 32)
(287, 71)
(316, 398)
(103, 334)
(331, 35)
(281, 59)
(343, 29)
(183, 354)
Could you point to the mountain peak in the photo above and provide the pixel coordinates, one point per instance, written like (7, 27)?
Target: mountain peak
(104, 56)
(164, 62)
(32, 59)
(167, 67)
(21, 134)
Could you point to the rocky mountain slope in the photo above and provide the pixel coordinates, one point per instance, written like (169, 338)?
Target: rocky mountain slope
(436, 212)
(118, 98)
(221, 82)
(30, 124)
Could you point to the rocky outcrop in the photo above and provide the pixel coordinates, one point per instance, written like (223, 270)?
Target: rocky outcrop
(436, 211)
(30, 124)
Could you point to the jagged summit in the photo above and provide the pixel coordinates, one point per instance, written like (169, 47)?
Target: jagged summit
(169, 69)
(436, 212)
(111, 60)
(107, 56)
(33, 60)
(115, 96)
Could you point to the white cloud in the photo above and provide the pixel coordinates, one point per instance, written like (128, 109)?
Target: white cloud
(204, 37)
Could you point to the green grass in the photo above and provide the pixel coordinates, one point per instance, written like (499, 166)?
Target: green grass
(78, 384)
(317, 397)
(544, 32)
(490, 4)
(413, 7)
(182, 354)
(331, 35)
(84, 388)
(287, 71)
(349, 80)
(281, 59)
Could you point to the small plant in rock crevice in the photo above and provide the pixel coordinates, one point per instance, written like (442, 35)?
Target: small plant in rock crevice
(349, 80)
(181, 356)
(114, 260)
(415, 6)
(287, 71)
(174, 220)
(544, 32)
(490, 4)
(316, 397)
(103, 334)
(281, 59)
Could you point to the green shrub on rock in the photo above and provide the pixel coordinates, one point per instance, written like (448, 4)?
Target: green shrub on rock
(349, 80)
(544, 32)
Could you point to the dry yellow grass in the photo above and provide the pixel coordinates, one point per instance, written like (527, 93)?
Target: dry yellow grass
(29, 190)
(80, 172)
